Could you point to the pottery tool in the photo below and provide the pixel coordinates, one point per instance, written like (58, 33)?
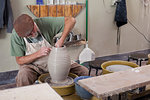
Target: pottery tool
(87, 54)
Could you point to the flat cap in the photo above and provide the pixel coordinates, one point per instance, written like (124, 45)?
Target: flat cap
(23, 25)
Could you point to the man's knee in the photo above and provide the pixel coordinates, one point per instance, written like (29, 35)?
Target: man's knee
(84, 71)
(79, 69)
(25, 77)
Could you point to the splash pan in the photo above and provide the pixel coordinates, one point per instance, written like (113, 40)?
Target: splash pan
(67, 82)
(63, 88)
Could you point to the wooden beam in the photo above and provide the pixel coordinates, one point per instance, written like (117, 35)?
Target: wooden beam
(52, 11)
(60, 10)
(35, 9)
(43, 11)
(56, 10)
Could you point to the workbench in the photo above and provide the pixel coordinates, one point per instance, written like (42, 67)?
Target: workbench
(32, 92)
(117, 82)
(7, 79)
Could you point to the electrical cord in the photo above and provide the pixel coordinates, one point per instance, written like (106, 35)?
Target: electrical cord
(129, 23)
(138, 31)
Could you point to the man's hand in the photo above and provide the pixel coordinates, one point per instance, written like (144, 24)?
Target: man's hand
(44, 51)
(30, 58)
(69, 24)
(59, 43)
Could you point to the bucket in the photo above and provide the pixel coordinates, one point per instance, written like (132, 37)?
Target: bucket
(117, 62)
(84, 94)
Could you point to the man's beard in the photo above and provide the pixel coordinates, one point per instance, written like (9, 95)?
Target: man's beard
(36, 35)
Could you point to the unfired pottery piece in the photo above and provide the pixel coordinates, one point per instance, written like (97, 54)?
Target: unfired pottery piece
(59, 64)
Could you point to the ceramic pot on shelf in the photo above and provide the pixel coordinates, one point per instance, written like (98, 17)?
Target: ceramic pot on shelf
(59, 64)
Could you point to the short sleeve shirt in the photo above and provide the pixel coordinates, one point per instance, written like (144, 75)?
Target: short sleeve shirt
(49, 27)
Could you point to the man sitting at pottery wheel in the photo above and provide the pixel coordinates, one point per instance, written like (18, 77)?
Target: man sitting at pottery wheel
(31, 42)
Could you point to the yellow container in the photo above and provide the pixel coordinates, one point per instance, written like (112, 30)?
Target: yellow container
(116, 62)
(61, 90)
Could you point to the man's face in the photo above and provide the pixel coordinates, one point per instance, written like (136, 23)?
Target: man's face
(34, 32)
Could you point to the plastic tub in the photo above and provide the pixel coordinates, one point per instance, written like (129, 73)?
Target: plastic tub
(84, 94)
(117, 62)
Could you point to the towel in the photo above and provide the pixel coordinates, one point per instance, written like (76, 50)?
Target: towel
(6, 16)
(120, 17)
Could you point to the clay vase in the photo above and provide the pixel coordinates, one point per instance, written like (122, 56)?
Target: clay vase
(59, 64)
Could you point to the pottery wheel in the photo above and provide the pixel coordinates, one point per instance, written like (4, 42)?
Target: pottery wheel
(68, 81)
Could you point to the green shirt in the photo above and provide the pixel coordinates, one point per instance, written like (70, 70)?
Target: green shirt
(49, 27)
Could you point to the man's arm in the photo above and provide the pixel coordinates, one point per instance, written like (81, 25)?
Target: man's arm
(44, 51)
(69, 24)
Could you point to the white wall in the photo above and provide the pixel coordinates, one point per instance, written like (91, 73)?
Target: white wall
(6, 61)
(102, 30)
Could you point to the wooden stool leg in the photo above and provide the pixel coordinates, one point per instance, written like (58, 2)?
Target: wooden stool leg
(96, 72)
(90, 71)
(137, 62)
(140, 62)
(128, 58)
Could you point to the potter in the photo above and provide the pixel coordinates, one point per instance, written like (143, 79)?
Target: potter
(31, 42)
(59, 64)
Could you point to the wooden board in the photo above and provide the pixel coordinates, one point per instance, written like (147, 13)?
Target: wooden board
(32, 92)
(60, 10)
(35, 9)
(115, 83)
(68, 10)
(76, 10)
(43, 11)
(52, 11)
(56, 10)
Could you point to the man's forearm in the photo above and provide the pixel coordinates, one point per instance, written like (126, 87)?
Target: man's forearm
(27, 59)
(44, 51)
(69, 24)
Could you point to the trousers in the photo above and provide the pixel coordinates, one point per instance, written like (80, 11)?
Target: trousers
(28, 74)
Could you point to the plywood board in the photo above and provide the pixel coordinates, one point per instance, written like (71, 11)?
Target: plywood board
(52, 10)
(68, 10)
(43, 10)
(60, 10)
(76, 10)
(32, 92)
(115, 83)
(35, 9)
(56, 10)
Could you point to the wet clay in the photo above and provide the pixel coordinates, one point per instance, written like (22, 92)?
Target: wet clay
(59, 64)
(67, 82)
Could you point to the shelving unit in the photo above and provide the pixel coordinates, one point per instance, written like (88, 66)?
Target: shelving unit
(56, 10)
(75, 43)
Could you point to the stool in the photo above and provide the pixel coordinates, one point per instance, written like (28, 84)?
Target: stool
(139, 57)
(96, 64)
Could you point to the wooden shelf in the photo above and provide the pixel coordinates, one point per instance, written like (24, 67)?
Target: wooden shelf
(75, 43)
(56, 10)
